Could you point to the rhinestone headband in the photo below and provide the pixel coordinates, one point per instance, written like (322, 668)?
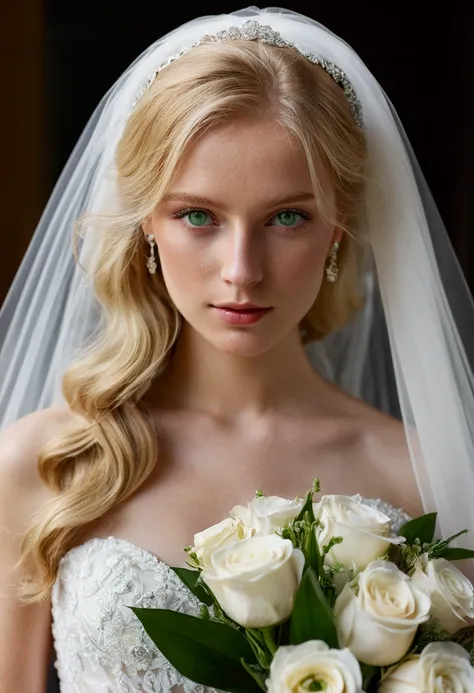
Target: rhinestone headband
(253, 31)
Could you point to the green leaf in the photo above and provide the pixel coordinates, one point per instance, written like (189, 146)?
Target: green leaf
(456, 554)
(312, 618)
(428, 632)
(422, 528)
(207, 652)
(397, 555)
(258, 676)
(254, 638)
(309, 545)
(283, 637)
(370, 677)
(307, 512)
(313, 554)
(191, 579)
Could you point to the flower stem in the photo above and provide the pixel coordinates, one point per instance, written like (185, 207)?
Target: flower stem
(253, 674)
(269, 639)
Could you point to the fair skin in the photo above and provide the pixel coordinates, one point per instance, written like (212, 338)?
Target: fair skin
(240, 408)
(238, 402)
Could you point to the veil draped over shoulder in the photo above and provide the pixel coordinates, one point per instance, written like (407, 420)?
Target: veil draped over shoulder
(410, 351)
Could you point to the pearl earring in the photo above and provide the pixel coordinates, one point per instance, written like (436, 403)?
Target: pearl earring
(151, 260)
(332, 270)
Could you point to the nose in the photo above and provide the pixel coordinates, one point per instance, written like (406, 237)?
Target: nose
(242, 261)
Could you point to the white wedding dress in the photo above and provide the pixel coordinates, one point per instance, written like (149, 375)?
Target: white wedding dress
(101, 646)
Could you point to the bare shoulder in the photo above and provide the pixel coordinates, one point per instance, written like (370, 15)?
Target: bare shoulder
(21, 444)
(25, 627)
(29, 434)
(22, 491)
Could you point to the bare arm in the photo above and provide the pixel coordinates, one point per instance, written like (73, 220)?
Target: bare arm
(25, 630)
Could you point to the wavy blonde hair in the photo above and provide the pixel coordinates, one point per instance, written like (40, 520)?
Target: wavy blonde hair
(99, 463)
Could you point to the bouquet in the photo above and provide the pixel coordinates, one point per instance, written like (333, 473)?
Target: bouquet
(299, 595)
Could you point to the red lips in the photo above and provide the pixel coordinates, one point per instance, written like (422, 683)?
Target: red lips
(241, 313)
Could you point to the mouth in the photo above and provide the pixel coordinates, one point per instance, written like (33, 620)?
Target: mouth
(241, 313)
(240, 306)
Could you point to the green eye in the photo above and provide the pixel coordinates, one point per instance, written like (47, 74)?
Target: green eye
(289, 218)
(198, 218)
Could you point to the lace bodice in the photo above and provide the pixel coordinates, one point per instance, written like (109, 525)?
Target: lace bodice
(101, 646)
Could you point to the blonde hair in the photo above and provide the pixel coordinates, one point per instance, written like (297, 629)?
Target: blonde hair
(96, 466)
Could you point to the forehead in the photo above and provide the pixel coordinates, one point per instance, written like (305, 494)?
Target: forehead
(250, 159)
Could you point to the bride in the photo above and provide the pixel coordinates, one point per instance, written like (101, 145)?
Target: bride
(263, 292)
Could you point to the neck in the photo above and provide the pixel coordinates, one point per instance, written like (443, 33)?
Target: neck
(208, 379)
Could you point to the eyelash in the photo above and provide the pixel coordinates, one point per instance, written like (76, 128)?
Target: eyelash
(189, 210)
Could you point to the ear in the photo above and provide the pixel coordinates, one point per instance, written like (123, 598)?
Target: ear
(337, 235)
(147, 225)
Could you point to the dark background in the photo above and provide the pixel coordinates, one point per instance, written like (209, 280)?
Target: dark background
(58, 57)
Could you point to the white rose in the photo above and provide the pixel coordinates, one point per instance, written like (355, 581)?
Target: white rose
(442, 666)
(365, 531)
(255, 580)
(378, 619)
(216, 537)
(295, 668)
(451, 593)
(267, 514)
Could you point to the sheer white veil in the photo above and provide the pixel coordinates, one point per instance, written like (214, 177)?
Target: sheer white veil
(411, 349)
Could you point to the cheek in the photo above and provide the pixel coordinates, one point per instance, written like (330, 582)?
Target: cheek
(301, 270)
(293, 267)
(182, 272)
(180, 260)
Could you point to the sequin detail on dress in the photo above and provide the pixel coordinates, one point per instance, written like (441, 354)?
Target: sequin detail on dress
(100, 644)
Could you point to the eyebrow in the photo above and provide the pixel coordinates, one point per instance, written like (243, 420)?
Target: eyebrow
(198, 200)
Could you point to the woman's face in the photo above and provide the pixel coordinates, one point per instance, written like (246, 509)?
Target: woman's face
(238, 226)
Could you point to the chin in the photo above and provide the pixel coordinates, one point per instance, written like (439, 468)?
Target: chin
(244, 345)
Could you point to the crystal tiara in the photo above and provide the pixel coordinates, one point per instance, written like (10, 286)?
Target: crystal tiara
(253, 31)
